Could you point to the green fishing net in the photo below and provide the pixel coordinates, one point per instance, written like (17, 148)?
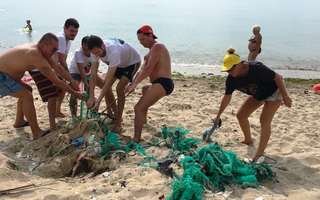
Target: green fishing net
(209, 167)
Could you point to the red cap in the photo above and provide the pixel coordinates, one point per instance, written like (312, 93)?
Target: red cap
(147, 29)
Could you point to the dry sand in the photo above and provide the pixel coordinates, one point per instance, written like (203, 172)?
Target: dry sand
(294, 144)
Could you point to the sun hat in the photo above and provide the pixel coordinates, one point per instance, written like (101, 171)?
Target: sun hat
(147, 29)
(230, 59)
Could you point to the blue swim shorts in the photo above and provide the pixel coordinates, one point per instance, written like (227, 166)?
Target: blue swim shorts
(8, 86)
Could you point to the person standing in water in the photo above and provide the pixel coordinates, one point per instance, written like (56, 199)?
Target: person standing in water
(29, 25)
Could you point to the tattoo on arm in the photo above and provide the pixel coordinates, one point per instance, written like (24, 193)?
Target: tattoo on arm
(45, 70)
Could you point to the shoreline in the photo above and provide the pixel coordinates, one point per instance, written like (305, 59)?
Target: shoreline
(215, 71)
(300, 74)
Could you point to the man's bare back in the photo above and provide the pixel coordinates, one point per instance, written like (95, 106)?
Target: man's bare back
(16, 61)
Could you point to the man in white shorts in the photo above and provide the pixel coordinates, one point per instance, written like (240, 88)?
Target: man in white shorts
(123, 60)
(80, 70)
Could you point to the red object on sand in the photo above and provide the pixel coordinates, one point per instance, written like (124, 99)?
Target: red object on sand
(316, 88)
(27, 79)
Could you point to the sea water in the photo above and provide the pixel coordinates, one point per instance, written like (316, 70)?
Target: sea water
(196, 32)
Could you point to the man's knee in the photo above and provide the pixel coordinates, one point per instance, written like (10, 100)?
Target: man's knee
(27, 97)
(27, 87)
(137, 109)
(120, 88)
(145, 88)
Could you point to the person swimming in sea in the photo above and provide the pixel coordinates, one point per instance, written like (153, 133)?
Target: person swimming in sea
(29, 25)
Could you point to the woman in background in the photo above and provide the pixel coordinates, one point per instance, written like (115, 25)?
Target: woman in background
(254, 45)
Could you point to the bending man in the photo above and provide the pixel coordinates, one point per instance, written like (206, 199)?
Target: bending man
(156, 66)
(15, 62)
(123, 60)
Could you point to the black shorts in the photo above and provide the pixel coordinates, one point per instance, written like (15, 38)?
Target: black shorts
(128, 72)
(166, 83)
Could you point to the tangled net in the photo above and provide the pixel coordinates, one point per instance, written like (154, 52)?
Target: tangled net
(88, 140)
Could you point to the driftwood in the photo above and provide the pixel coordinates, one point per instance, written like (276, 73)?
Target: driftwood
(7, 191)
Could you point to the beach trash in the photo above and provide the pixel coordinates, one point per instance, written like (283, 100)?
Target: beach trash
(208, 132)
(91, 140)
(316, 88)
(77, 142)
(27, 79)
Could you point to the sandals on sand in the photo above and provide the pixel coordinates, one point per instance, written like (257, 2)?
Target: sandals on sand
(23, 125)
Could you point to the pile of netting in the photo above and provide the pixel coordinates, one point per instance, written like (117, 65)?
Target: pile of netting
(87, 139)
(210, 167)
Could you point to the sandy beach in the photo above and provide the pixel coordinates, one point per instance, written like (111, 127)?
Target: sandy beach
(294, 145)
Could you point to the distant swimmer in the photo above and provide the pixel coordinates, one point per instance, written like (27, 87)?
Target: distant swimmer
(28, 26)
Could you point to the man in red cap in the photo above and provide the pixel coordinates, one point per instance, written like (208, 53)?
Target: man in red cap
(156, 66)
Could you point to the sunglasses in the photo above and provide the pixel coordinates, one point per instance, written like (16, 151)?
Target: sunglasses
(232, 68)
(52, 49)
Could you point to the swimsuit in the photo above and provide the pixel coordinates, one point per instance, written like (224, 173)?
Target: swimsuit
(255, 49)
(46, 88)
(128, 72)
(8, 86)
(166, 83)
(253, 40)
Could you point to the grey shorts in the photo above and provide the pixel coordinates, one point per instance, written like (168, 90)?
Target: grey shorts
(77, 77)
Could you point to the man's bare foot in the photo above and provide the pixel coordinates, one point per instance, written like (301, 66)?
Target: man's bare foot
(245, 142)
(41, 134)
(140, 141)
(20, 124)
(117, 130)
(60, 114)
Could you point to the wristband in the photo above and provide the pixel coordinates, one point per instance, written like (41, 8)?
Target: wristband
(285, 97)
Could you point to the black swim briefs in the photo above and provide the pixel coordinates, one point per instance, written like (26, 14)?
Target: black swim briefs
(166, 83)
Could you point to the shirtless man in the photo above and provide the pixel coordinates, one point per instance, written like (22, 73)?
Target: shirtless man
(157, 66)
(15, 62)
